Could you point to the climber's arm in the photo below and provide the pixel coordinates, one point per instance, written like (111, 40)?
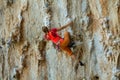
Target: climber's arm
(62, 27)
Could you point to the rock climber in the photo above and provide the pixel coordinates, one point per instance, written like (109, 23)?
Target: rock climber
(58, 40)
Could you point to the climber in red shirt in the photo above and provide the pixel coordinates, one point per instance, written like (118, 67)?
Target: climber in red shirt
(61, 42)
(56, 39)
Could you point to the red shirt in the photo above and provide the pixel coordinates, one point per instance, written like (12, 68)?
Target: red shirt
(53, 36)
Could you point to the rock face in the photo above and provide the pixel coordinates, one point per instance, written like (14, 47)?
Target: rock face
(24, 55)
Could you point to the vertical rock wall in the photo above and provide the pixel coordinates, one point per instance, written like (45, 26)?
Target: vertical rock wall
(24, 55)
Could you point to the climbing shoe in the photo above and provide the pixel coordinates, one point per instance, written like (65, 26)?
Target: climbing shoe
(71, 44)
(81, 63)
(0, 47)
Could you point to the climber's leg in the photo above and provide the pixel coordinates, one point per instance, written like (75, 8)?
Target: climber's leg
(66, 39)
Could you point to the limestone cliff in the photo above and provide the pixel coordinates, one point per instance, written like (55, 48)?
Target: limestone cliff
(25, 56)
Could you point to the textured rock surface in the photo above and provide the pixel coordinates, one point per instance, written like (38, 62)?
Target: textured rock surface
(25, 56)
